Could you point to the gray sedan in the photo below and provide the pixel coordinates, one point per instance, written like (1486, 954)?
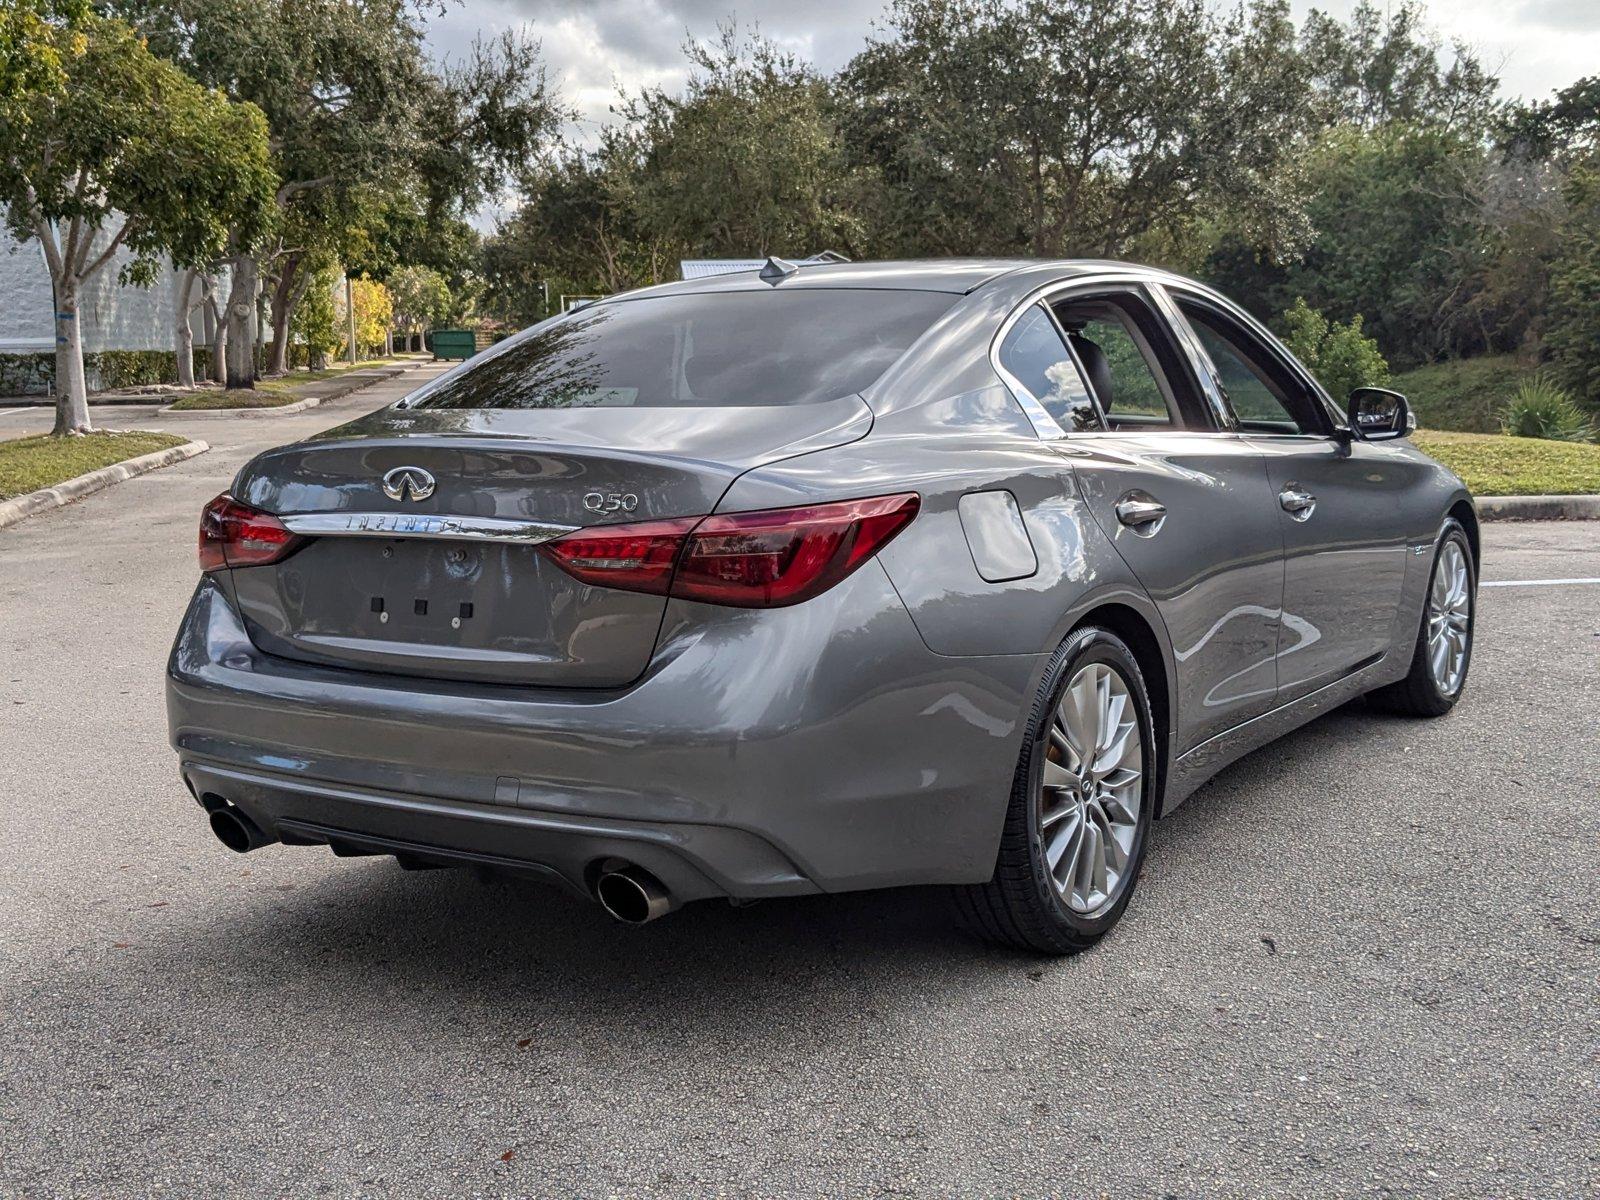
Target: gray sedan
(815, 579)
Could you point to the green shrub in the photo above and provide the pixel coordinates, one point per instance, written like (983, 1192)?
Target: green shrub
(1340, 356)
(1540, 409)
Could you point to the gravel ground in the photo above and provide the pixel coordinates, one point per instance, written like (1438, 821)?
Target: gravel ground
(1362, 961)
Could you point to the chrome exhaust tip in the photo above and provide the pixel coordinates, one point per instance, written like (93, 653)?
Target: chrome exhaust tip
(633, 896)
(236, 831)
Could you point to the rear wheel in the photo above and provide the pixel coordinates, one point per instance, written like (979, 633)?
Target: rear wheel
(1080, 808)
(1443, 649)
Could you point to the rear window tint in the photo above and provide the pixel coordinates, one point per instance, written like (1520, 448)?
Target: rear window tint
(713, 350)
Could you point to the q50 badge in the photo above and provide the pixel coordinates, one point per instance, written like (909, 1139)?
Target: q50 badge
(610, 502)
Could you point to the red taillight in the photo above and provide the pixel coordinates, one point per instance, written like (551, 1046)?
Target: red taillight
(760, 559)
(236, 535)
(635, 558)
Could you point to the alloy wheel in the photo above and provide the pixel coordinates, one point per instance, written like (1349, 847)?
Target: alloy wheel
(1092, 787)
(1449, 619)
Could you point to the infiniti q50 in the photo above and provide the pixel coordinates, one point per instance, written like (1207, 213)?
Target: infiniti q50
(814, 579)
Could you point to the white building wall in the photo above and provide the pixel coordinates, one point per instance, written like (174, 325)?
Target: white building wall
(26, 324)
(115, 316)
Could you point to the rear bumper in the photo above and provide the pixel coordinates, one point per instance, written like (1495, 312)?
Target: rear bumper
(821, 747)
(693, 861)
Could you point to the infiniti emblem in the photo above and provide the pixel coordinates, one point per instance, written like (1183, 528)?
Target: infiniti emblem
(407, 483)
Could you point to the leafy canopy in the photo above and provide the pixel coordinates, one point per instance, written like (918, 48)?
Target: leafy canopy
(131, 138)
(1339, 355)
(1092, 128)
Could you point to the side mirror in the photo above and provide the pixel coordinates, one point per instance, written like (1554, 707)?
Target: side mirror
(1378, 414)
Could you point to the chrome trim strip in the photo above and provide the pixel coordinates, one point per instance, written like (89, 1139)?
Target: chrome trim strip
(410, 525)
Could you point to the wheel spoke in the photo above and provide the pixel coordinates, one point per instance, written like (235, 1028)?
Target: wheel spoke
(1062, 839)
(1086, 700)
(1120, 778)
(1097, 858)
(1114, 754)
(1115, 856)
(1057, 777)
(1120, 812)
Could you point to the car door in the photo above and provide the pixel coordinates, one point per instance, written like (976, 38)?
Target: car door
(1187, 505)
(1341, 502)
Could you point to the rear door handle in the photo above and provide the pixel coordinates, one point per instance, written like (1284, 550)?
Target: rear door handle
(1296, 503)
(1141, 512)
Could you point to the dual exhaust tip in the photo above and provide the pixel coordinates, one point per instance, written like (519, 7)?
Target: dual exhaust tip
(632, 895)
(628, 894)
(236, 831)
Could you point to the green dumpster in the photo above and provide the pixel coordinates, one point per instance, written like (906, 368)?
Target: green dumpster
(454, 343)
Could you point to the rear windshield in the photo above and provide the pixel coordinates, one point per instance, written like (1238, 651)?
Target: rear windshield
(699, 351)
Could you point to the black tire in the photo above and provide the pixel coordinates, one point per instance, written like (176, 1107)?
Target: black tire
(1019, 906)
(1419, 694)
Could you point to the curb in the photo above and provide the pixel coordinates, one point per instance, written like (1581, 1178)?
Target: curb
(1538, 508)
(356, 382)
(15, 509)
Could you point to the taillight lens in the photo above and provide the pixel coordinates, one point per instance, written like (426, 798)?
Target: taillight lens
(635, 558)
(236, 535)
(786, 555)
(763, 559)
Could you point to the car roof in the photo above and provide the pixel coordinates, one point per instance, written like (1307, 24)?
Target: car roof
(955, 275)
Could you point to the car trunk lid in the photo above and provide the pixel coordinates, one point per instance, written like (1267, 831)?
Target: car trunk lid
(449, 582)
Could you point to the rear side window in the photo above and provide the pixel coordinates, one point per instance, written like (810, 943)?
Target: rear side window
(1034, 355)
(711, 350)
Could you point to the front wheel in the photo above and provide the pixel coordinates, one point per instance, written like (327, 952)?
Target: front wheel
(1443, 649)
(1081, 805)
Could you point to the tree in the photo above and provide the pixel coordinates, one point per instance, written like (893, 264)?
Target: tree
(32, 50)
(746, 162)
(1090, 128)
(316, 318)
(579, 230)
(344, 85)
(1339, 355)
(374, 309)
(1393, 225)
(421, 298)
(1384, 66)
(1574, 333)
(129, 152)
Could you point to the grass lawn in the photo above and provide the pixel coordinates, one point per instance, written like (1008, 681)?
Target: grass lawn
(274, 393)
(259, 397)
(1465, 395)
(1493, 465)
(28, 464)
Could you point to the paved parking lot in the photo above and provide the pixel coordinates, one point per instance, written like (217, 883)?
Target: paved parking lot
(1363, 961)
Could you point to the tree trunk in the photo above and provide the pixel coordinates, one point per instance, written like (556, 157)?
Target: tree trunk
(182, 332)
(388, 342)
(241, 311)
(284, 296)
(72, 392)
(216, 330)
(350, 315)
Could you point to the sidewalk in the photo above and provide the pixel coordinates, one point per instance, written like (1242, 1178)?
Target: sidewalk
(36, 414)
(158, 395)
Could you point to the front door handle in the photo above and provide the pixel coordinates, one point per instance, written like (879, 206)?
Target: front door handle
(1141, 512)
(1297, 503)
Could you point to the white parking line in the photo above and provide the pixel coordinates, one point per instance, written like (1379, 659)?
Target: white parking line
(6, 412)
(1535, 582)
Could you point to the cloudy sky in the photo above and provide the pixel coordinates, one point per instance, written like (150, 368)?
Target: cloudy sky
(592, 46)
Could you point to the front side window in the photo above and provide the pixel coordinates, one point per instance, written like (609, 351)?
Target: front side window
(704, 350)
(1263, 397)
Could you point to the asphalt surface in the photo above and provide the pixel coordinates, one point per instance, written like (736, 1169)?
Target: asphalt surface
(1362, 961)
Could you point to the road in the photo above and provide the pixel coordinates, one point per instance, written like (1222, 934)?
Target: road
(1362, 961)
